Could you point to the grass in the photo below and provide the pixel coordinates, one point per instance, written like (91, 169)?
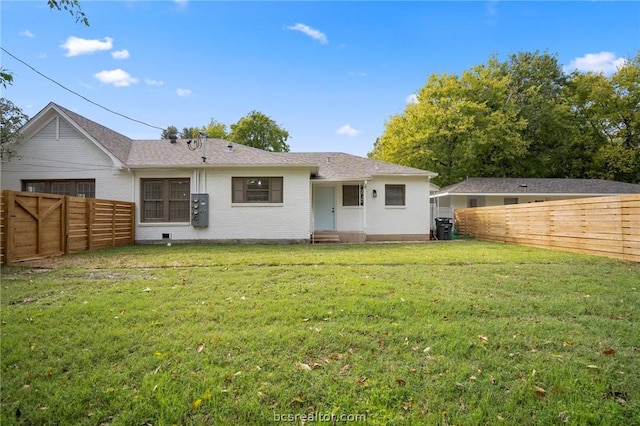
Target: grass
(463, 332)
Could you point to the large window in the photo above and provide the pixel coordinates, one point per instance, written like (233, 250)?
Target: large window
(257, 190)
(165, 200)
(352, 195)
(394, 195)
(74, 187)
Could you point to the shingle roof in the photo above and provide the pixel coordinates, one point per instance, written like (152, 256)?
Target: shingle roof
(539, 186)
(163, 153)
(341, 166)
(114, 142)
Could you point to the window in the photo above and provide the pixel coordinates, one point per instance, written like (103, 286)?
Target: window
(352, 195)
(165, 200)
(510, 200)
(394, 195)
(256, 190)
(472, 202)
(73, 187)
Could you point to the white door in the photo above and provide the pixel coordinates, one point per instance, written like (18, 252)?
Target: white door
(324, 208)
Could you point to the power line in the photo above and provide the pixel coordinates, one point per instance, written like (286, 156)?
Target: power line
(78, 94)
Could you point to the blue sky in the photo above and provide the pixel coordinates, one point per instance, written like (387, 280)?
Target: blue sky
(331, 73)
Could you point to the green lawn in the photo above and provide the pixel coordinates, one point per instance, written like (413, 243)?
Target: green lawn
(460, 332)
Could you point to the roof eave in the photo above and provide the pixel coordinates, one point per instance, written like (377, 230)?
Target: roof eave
(219, 165)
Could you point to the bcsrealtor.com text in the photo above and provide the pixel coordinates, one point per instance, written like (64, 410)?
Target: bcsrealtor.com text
(318, 417)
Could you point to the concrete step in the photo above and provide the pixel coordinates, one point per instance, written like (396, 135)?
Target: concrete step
(325, 237)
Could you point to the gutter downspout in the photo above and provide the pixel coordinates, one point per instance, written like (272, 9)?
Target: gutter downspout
(364, 211)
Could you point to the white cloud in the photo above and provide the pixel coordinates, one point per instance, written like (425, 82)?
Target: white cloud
(311, 32)
(117, 77)
(181, 3)
(604, 62)
(27, 33)
(347, 130)
(357, 74)
(411, 99)
(151, 82)
(79, 46)
(183, 92)
(120, 54)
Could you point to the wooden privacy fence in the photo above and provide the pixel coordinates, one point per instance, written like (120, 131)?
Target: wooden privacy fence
(603, 226)
(36, 225)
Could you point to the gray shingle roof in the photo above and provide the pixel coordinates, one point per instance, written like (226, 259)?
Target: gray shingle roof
(539, 186)
(114, 142)
(163, 153)
(341, 166)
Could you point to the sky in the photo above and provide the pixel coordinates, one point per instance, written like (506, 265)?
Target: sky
(331, 73)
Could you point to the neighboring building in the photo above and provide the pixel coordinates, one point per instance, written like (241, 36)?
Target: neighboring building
(214, 190)
(482, 192)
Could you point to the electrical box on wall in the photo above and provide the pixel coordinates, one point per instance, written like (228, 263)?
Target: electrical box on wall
(200, 210)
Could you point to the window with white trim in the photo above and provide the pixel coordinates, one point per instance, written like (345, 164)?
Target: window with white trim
(352, 195)
(165, 200)
(73, 187)
(256, 190)
(394, 195)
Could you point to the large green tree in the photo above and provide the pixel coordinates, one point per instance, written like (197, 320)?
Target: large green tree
(461, 126)
(520, 118)
(259, 131)
(215, 129)
(608, 110)
(12, 119)
(536, 85)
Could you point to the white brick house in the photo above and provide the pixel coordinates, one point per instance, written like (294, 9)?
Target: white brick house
(234, 193)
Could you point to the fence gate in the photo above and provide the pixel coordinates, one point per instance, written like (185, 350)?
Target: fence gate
(35, 225)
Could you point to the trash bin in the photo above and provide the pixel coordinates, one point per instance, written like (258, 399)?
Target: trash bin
(444, 227)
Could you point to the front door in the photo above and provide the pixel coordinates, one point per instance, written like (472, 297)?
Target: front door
(324, 208)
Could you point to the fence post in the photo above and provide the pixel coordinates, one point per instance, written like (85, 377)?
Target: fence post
(10, 214)
(113, 223)
(132, 207)
(89, 217)
(65, 225)
(7, 222)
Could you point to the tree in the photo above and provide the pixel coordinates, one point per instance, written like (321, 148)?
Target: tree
(537, 83)
(6, 77)
(12, 120)
(461, 126)
(521, 118)
(608, 110)
(215, 130)
(71, 6)
(190, 133)
(169, 133)
(259, 131)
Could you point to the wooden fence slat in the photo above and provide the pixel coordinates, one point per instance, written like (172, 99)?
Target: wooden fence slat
(604, 226)
(49, 225)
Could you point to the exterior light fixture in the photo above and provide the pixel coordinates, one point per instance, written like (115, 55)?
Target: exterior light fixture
(374, 193)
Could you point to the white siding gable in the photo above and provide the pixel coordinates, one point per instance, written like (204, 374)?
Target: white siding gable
(59, 151)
